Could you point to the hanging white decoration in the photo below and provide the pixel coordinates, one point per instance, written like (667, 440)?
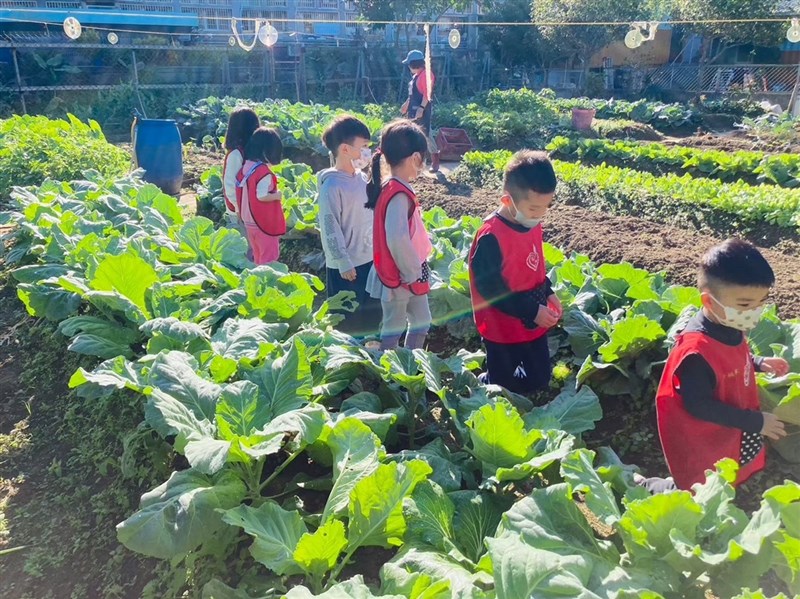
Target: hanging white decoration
(793, 35)
(72, 28)
(112, 38)
(652, 30)
(634, 38)
(242, 45)
(231, 41)
(268, 35)
(428, 71)
(454, 39)
(641, 32)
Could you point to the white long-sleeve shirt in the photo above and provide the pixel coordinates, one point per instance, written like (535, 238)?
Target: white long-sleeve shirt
(233, 164)
(344, 221)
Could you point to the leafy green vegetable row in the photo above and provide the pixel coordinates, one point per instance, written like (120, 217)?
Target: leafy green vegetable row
(738, 204)
(34, 148)
(247, 380)
(755, 167)
(496, 118)
(301, 125)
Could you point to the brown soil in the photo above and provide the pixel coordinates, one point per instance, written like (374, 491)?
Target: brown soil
(12, 406)
(606, 238)
(32, 455)
(197, 162)
(730, 141)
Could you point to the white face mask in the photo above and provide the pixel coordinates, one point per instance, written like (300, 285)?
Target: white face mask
(741, 320)
(523, 220)
(362, 161)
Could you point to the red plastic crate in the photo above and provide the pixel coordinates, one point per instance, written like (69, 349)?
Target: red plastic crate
(453, 143)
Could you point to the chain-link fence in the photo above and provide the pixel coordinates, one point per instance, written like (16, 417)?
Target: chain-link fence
(775, 82)
(104, 82)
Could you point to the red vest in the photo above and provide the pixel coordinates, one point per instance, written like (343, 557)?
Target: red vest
(692, 446)
(267, 215)
(523, 269)
(385, 266)
(229, 201)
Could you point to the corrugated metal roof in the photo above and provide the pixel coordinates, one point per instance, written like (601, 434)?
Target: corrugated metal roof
(97, 17)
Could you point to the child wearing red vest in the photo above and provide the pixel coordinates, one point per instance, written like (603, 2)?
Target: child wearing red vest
(258, 198)
(400, 248)
(512, 300)
(241, 124)
(707, 400)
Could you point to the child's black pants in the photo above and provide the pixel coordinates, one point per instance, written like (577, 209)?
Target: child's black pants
(519, 367)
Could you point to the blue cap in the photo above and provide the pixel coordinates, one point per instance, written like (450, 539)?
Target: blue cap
(414, 55)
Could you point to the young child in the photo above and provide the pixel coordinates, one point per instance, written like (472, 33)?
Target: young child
(512, 300)
(707, 401)
(258, 198)
(417, 107)
(241, 124)
(346, 223)
(399, 275)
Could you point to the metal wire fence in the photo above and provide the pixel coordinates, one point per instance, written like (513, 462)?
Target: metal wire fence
(33, 74)
(96, 80)
(775, 81)
(293, 71)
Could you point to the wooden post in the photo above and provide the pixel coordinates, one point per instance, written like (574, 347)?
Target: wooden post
(300, 77)
(359, 87)
(447, 73)
(135, 71)
(792, 99)
(272, 76)
(19, 81)
(265, 72)
(226, 70)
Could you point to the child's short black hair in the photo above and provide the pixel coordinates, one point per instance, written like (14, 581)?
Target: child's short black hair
(344, 129)
(241, 124)
(734, 262)
(417, 64)
(264, 146)
(529, 171)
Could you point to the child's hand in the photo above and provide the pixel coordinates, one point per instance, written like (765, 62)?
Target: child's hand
(776, 366)
(546, 318)
(555, 305)
(350, 275)
(773, 428)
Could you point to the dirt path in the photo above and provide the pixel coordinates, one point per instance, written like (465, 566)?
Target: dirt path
(607, 238)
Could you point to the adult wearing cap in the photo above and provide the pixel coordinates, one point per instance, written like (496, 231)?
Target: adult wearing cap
(417, 107)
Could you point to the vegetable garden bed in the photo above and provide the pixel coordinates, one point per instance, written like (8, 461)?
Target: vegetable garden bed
(285, 438)
(766, 213)
(754, 168)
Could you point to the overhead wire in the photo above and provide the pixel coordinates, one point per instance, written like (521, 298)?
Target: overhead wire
(444, 20)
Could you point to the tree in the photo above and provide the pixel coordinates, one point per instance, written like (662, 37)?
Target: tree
(399, 10)
(425, 11)
(581, 41)
(732, 34)
(515, 45)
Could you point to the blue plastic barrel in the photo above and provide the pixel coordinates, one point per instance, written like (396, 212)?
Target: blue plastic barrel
(158, 150)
